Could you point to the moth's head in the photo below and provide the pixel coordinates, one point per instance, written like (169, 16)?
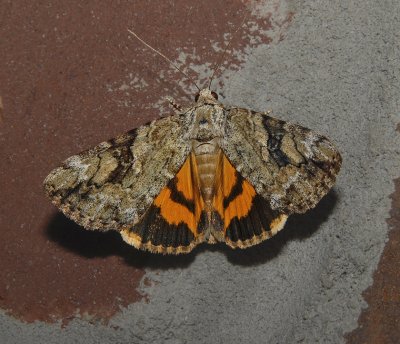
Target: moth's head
(206, 96)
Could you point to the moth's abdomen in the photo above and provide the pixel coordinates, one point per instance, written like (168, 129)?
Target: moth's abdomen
(207, 155)
(207, 165)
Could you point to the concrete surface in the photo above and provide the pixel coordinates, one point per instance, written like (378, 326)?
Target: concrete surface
(73, 78)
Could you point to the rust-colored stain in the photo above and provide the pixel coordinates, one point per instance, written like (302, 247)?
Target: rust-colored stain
(71, 77)
(380, 322)
(1, 110)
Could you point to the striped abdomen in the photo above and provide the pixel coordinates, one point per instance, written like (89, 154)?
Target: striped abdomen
(207, 157)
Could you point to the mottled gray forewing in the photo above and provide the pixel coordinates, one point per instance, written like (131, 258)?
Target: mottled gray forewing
(290, 166)
(111, 185)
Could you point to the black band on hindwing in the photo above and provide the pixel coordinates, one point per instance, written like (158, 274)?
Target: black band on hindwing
(154, 229)
(178, 196)
(236, 190)
(257, 221)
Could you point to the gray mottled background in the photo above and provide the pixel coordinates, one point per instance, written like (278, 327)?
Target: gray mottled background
(337, 72)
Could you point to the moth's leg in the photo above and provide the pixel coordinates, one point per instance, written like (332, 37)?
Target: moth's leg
(268, 112)
(174, 104)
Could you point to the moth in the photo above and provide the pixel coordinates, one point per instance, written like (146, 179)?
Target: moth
(208, 173)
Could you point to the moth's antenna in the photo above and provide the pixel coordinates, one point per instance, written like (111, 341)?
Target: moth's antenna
(166, 58)
(218, 65)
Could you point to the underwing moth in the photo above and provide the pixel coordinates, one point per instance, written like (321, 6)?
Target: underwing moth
(208, 173)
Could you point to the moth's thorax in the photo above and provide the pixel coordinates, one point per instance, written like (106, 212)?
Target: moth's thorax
(207, 122)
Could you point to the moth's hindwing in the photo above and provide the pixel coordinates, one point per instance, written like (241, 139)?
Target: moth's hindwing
(291, 167)
(112, 185)
(175, 221)
(246, 217)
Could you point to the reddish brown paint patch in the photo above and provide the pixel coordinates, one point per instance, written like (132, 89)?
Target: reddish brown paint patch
(62, 85)
(1, 110)
(380, 322)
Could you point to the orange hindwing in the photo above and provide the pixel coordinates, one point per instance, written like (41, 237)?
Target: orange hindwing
(173, 222)
(246, 217)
